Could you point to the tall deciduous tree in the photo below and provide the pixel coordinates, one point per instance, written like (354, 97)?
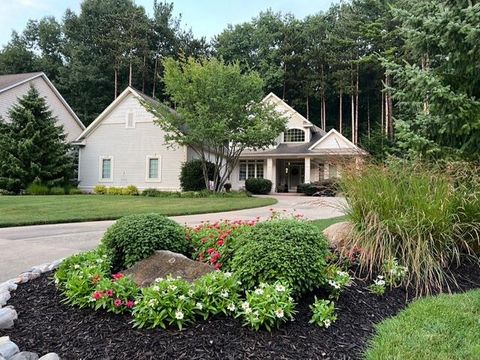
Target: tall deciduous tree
(218, 113)
(32, 146)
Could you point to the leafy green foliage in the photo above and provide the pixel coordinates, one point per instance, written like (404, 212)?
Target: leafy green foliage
(33, 147)
(57, 190)
(268, 305)
(100, 189)
(112, 190)
(114, 294)
(191, 175)
(291, 251)
(169, 301)
(37, 189)
(130, 190)
(323, 313)
(378, 286)
(336, 280)
(135, 237)
(413, 212)
(394, 273)
(258, 185)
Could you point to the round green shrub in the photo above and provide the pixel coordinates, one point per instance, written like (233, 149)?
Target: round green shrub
(135, 237)
(57, 190)
(258, 185)
(37, 189)
(289, 250)
(191, 175)
(100, 189)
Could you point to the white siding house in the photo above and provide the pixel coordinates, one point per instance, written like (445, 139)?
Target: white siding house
(124, 147)
(15, 86)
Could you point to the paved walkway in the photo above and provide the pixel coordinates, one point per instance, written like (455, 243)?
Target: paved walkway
(25, 246)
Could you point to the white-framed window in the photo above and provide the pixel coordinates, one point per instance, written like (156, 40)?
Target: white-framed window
(130, 120)
(294, 135)
(153, 168)
(251, 169)
(332, 171)
(105, 168)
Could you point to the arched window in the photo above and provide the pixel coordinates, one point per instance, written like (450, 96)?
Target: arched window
(294, 135)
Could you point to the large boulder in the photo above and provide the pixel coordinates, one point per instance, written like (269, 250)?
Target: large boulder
(338, 233)
(163, 263)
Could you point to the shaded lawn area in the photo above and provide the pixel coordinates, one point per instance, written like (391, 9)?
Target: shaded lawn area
(48, 209)
(324, 223)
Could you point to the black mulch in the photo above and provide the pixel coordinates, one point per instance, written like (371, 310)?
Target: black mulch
(45, 325)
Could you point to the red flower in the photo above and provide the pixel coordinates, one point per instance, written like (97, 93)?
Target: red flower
(217, 266)
(220, 242)
(117, 302)
(97, 295)
(130, 304)
(117, 276)
(109, 293)
(210, 251)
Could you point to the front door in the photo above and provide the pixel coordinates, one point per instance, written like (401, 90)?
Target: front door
(296, 175)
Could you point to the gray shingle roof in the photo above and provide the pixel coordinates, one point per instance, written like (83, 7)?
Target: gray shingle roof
(9, 80)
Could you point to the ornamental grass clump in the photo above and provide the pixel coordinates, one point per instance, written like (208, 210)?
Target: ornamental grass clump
(268, 305)
(412, 212)
(292, 251)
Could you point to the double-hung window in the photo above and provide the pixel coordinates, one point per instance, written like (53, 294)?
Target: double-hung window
(153, 165)
(251, 169)
(106, 168)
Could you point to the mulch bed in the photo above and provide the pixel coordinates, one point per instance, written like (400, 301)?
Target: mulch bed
(45, 325)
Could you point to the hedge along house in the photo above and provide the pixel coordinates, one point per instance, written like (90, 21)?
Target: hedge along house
(304, 153)
(124, 146)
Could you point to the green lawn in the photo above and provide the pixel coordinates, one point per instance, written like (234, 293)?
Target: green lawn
(29, 210)
(324, 223)
(445, 327)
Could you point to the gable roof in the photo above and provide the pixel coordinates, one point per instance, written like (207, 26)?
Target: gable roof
(284, 103)
(333, 133)
(11, 81)
(113, 105)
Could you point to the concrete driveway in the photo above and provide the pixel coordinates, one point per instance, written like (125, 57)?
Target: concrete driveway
(26, 246)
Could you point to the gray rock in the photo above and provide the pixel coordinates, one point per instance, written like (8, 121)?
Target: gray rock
(163, 263)
(8, 348)
(8, 285)
(54, 264)
(50, 356)
(26, 277)
(25, 355)
(4, 297)
(7, 316)
(337, 234)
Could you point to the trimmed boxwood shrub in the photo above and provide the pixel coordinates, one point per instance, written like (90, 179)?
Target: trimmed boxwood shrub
(258, 185)
(289, 250)
(135, 237)
(100, 189)
(191, 175)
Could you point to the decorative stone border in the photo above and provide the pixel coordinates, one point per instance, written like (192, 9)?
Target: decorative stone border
(8, 349)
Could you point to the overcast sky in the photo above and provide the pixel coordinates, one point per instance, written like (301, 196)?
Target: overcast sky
(205, 17)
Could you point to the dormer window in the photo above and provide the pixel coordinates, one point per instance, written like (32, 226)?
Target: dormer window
(294, 135)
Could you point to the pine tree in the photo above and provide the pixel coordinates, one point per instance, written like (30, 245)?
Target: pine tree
(33, 147)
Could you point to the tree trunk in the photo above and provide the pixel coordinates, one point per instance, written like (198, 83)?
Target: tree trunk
(130, 74)
(382, 117)
(143, 72)
(284, 80)
(324, 113)
(308, 110)
(154, 76)
(369, 128)
(356, 108)
(116, 83)
(341, 111)
(352, 97)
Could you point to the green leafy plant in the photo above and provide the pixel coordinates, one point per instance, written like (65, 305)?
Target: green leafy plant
(167, 302)
(336, 280)
(75, 191)
(100, 189)
(268, 305)
(258, 185)
(135, 237)
(37, 189)
(191, 175)
(216, 293)
(116, 294)
(289, 250)
(394, 273)
(323, 313)
(130, 190)
(378, 287)
(112, 190)
(57, 190)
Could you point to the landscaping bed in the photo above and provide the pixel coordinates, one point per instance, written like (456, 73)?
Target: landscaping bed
(46, 324)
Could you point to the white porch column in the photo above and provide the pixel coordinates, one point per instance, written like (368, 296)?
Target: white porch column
(271, 174)
(307, 170)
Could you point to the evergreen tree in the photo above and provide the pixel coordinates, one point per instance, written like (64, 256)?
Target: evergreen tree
(32, 146)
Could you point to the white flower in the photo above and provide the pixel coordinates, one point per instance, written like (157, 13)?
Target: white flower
(248, 310)
(99, 261)
(334, 284)
(279, 313)
(178, 315)
(259, 291)
(231, 307)
(327, 323)
(379, 282)
(76, 266)
(152, 302)
(342, 273)
(228, 274)
(199, 305)
(158, 279)
(156, 288)
(182, 297)
(172, 287)
(224, 294)
(379, 277)
(263, 285)
(245, 305)
(190, 292)
(280, 288)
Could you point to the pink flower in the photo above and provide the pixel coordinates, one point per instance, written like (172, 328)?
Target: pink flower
(109, 293)
(97, 295)
(117, 276)
(220, 242)
(130, 304)
(217, 266)
(117, 302)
